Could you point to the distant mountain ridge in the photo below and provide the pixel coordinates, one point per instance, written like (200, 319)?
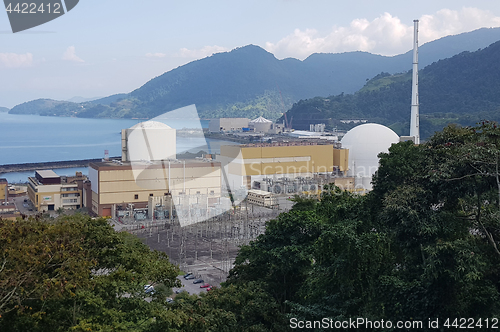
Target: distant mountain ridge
(4, 109)
(249, 81)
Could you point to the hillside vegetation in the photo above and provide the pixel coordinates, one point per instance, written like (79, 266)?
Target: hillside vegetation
(462, 89)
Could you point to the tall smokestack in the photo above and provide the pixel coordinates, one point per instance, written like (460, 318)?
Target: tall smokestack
(414, 121)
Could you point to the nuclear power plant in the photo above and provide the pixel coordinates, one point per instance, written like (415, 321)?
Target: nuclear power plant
(149, 182)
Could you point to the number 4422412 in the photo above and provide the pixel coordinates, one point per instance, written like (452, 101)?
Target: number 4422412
(471, 323)
(33, 8)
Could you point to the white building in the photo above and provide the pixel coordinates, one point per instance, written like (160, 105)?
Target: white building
(227, 124)
(365, 142)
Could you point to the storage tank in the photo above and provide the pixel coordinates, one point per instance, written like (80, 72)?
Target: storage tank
(261, 125)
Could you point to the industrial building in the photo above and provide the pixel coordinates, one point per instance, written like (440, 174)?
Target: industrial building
(260, 197)
(4, 189)
(49, 191)
(228, 124)
(150, 183)
(116, 186)
(247, 165)
(244, 125)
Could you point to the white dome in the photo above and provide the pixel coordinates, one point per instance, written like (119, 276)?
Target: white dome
(365, 142)
(150, 125)
(261, 119)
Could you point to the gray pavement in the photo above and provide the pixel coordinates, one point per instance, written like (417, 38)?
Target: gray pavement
(189, 286)
(22, 206)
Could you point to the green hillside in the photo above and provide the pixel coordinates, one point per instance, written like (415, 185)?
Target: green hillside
(462, 89)
(250, 82)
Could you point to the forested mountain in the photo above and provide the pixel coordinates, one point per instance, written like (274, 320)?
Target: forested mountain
(249, 81)
(462, 89)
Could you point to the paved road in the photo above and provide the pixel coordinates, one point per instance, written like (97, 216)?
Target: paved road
(24, 207)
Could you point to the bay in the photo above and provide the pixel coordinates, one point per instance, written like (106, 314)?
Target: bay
(33, 139)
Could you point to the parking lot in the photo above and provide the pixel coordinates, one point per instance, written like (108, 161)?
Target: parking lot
(188, 286)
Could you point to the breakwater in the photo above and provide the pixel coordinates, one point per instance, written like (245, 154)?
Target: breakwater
(9, 168)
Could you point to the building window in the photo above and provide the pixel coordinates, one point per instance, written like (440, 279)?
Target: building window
(198, 192)
(150, 195)
(212, 192)
(136, 196)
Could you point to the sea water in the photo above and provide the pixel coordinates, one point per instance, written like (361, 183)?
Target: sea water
(34, 138)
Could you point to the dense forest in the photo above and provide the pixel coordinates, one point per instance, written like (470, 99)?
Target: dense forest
(462, 89)
(423, 245)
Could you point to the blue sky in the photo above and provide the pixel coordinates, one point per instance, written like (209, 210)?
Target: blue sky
(103, 47)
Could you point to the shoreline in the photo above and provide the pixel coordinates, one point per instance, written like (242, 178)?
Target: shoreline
(11, 168)
(25, 167)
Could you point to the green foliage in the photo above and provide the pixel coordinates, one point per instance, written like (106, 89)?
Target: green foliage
(241, 308)
(77, 273)
(423, 244)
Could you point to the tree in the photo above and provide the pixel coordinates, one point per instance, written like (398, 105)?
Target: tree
(77, 272)
(424, 243)
(281, 258)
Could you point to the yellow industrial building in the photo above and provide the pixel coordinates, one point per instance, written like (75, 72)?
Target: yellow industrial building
(247, 163)
(4, 193)
(122, 184)
(49, 191)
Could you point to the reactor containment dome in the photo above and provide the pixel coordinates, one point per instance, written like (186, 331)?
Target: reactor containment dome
(365, 142)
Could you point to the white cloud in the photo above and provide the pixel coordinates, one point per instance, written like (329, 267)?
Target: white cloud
(14, 60)
(201, 53)
(385, 35)
(156, 55)
(70, 55)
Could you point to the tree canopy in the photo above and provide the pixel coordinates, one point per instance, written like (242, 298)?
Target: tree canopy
(424, 244)
(77, 273)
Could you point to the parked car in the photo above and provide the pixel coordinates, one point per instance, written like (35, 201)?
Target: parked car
(170, 300)
(180, 291)
(189, 277)
(209, 289)
(149, 289)
(198, 281)
(205, 285)
(188, 274)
